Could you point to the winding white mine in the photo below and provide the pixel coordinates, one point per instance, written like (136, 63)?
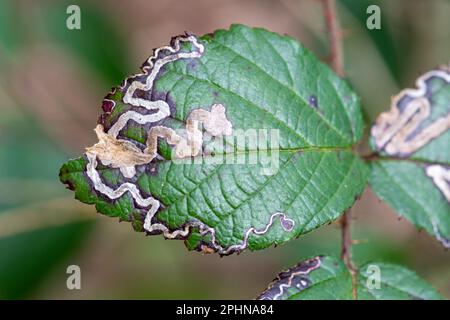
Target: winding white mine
(125, 156)
(397, 132)
(154, 64)
(445, 241)
(394, 130)
(441, 178)
(285, 280)
(287, 225)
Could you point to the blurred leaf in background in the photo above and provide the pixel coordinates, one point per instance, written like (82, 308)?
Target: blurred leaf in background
(39, 225)
(11, 34)
(27, 161)
(99, 44)
(382, 38)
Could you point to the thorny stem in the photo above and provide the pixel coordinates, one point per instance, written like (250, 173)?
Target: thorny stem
(337, 63)
(334, 36)
(346, 251)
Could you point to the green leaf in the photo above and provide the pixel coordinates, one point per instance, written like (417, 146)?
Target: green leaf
(272, 161)
(318, 278)
(326, 277)
(412, 173)
(397, 283)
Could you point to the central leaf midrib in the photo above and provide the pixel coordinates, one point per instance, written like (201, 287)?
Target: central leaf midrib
(252, 151)
(308, 149)
(251, 103)
(208, 81)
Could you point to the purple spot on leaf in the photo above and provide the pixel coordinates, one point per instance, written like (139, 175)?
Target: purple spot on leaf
(287, 224)
(107, 105)
(313, 101)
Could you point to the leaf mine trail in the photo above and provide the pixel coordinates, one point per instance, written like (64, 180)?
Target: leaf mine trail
(125, 155)
(399, 131)
(295, 277)
(415, 133)
(407, 127)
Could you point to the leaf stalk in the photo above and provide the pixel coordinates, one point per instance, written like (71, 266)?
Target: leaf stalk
(337, 63)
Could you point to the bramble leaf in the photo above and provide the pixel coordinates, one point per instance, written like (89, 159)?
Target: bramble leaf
(412, 173)
(327, 278)
(271, 161)
(321, 277)
(396, 283)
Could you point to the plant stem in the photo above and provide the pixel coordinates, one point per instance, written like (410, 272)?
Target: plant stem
(334, 36)
(337, 63)
(346, 250)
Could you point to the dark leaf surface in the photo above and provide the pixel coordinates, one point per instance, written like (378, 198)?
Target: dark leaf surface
(327, 278)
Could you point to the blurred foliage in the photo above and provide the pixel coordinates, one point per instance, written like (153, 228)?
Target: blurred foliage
(27, 163)
(382, 38)
(32, 255)
(115, 38)
(99, 43)
(10, 33)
